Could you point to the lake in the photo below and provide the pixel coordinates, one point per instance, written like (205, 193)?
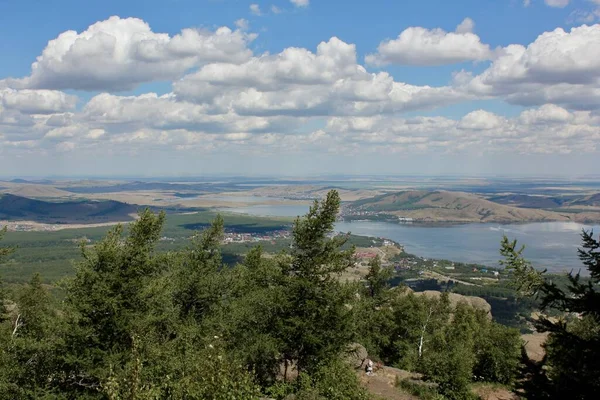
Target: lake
(237, 199)
(551, 245)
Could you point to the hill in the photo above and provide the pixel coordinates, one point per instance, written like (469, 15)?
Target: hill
(17, 208)
(443, 206)
(548, 202)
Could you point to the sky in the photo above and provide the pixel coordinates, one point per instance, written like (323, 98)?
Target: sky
(299, 87)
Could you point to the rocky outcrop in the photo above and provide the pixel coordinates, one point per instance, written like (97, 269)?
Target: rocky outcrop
(455, 299)
(356, 355)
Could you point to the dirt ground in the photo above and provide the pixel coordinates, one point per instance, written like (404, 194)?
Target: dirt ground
(382, 384)
(533, 345)
(486, 392)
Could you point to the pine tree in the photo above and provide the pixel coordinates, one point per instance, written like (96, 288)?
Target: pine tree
(377, 279)
(116, 295)
(198, 286)
(573, 347)
(318, 322)
(4, 251)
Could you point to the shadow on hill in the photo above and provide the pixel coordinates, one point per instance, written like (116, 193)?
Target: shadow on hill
(17, 208)
(239, 228)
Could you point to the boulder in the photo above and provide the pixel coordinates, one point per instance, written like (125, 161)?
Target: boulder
(288, 371)
(455, 299)
(356, 355)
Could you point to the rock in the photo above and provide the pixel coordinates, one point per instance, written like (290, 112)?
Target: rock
(288, 371)
(455, 299)
(356, 355)
(534, 345)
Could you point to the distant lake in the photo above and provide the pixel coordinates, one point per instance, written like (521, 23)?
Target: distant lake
(551, 245)
(238, 199)
(275, 210)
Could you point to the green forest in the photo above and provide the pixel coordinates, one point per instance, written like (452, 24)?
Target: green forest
(137, 322)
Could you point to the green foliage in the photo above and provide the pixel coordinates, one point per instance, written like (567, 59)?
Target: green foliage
(331, 380)
(423, 392)
(29, 345)
(452, 345)
(498, 351)
(572, 364)
(139, 322)
(317, 324)
(377, 279)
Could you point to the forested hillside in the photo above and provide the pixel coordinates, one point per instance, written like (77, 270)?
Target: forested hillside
(135, 323)
(17, 208)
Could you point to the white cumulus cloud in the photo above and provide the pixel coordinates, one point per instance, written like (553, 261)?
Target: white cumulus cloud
(300, 3)
(255, 9)
(119, 54)
(420, 46)
(559, 67)
(300, 82)
(467, 26)
(557, 3)
(36, 101)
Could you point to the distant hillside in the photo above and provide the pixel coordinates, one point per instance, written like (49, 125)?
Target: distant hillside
(590, 200)
(548, 202)
(442, 206)
(529, 201)
(17, 208)
(154, 186)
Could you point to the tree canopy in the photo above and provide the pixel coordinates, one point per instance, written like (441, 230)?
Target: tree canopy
(136, 323)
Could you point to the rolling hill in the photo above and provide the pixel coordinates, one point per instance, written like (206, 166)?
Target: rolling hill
(18, 208)
(443, 206)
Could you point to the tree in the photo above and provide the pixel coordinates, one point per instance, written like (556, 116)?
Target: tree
(197, 278)
(572, 362)
(117, 295)
(252, 319)
(317, 322)
(377, 278)
(4, 251)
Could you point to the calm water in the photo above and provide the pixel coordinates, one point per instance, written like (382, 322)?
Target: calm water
(238, 199)
(551, 245)
(265, 210)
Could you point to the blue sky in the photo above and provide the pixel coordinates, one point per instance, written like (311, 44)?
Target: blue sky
(476, 86)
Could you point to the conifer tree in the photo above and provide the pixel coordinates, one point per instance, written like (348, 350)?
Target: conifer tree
(318, 321)
(377, 278)
(573, 347)
(4, 251)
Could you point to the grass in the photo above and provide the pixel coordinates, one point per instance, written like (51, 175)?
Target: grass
(53, 254)
(423, 392)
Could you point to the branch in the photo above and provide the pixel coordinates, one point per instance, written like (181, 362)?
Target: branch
(18, 324)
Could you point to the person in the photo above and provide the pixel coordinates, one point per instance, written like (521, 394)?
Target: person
(369, 367)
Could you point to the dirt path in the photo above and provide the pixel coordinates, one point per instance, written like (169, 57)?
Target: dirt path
(382, 384)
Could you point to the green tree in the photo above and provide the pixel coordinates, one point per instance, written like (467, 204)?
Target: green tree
(572, 363)
(317, 324)
(117, 294)
(4, 251)
(377, 279)
(30, 345)
(253, 319)
(198, 279)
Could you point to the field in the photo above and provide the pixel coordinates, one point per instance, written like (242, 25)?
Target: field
(52, 253)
